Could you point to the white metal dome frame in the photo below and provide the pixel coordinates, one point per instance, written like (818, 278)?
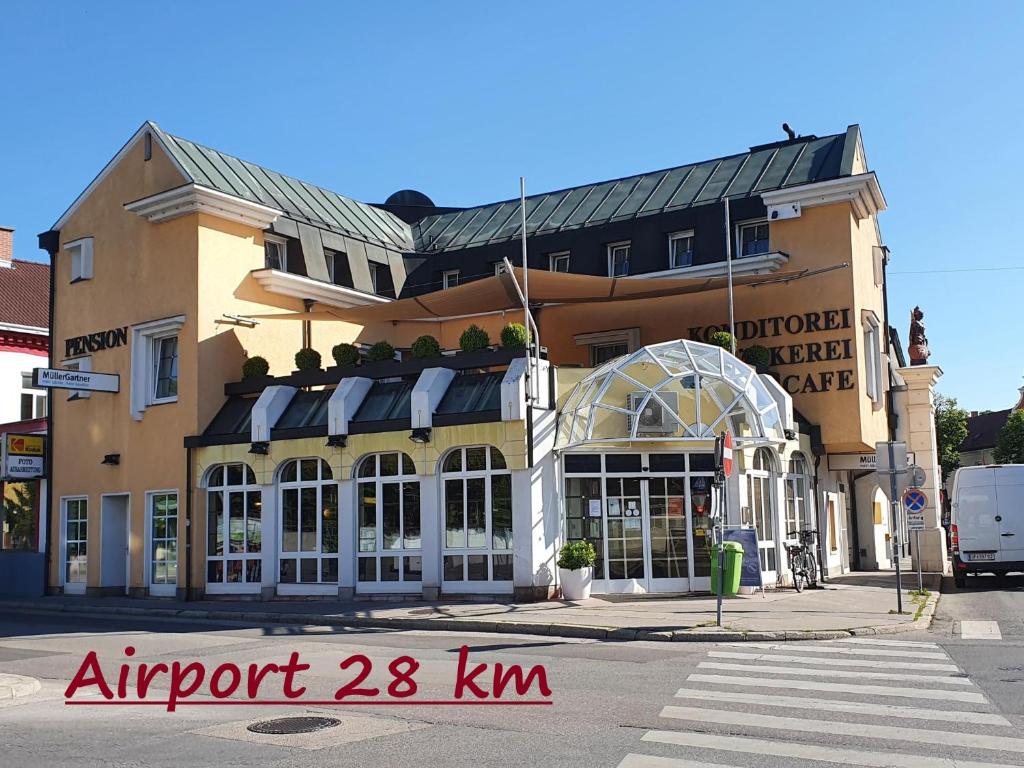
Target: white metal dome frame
(718, 391)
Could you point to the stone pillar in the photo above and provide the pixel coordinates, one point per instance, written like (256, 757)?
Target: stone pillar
(431, 535)
(918, 413)
(347, 504)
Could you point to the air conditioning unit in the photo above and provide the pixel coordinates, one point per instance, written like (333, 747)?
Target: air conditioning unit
(653, 420)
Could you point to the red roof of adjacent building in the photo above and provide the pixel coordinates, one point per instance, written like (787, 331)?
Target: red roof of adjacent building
(25, 294)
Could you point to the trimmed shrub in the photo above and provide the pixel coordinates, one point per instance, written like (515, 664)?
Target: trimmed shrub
(307, 359)
(380, 352)
(721, 339)
(255, 368)
(426, 346)
(576, 555)
(514, 336)
(474, 338)
(757, 356)
(345, 354)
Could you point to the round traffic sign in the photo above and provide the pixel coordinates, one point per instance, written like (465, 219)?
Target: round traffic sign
(914, 499)
(727, 454)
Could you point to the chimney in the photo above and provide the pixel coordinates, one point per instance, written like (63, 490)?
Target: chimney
(974, 413)
(6, 247)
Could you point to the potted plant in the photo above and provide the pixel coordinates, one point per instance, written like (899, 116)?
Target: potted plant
(307, 359)
(722, 339)
(255, 368)
(380, 352)
(425, 347)
(474, 338)
(513, 336)
(576, 569)
(345, 355)
(758, 357)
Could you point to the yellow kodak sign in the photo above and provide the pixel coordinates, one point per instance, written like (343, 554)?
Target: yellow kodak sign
(26, 445)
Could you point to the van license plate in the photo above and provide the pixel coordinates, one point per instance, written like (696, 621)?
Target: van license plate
(981, 555)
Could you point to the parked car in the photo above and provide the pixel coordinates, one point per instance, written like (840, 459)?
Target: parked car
(987, 520)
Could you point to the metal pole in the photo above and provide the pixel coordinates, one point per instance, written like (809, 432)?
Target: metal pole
(530, 375)
(917, 553)
(721, 554)
(728, 270)
(895, 508)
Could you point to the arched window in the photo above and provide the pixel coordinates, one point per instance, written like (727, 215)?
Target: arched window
(388, 512)
(477, 544)
(309, 523)
(798, 511)
(234, 526)
(760, 507)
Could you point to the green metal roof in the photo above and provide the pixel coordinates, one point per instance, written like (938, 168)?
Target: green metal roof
(772, 166)
(297, 199)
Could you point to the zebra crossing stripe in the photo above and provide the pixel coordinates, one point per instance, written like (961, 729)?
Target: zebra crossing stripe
(863, 690)
(858, 674)
(854, 651)
(761, 747)
(840, 662)
(650, 761)
(893, 643)
(833, 705)
(860, 730)
(980, 630)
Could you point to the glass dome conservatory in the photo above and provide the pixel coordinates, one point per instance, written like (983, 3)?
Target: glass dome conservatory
(677, 391)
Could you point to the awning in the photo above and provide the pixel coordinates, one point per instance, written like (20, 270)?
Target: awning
(498, 293)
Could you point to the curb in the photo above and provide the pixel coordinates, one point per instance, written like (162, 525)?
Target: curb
(16, 686)
(583, 631)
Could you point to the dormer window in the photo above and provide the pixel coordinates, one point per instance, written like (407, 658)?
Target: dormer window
(680, 250)
(275, 253)
(449, 279)
(618, 259)
(559, 262)
(753, 238)
(374, 269)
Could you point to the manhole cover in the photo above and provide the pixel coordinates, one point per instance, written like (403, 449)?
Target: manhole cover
(289, 725)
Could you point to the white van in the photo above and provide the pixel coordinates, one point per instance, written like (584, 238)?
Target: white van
(987, 520)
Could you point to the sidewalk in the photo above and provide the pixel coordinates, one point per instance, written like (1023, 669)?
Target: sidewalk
(855, 604)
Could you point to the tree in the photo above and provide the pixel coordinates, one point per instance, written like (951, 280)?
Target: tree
(21, 511)
(950, 432)
(1010, 448)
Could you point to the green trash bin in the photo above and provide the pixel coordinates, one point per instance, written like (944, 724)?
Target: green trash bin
(733, 558)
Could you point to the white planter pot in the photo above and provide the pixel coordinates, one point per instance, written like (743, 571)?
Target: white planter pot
(576, 584)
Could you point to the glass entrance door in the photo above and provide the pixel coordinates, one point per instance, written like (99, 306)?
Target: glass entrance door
(626, 519)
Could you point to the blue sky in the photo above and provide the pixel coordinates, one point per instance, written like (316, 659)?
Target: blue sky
(460, 99)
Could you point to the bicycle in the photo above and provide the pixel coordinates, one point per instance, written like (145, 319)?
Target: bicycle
(802, 561)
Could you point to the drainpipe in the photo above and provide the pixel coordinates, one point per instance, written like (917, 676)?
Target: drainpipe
(50, 242)
(188, 523)
(821, 544)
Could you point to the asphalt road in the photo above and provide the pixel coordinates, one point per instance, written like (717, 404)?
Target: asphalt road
(912, 700)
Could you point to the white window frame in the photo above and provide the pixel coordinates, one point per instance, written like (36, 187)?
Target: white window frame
(499, 268)
(672, 239)
(873, 386)
(163, 589)
(489, 551)
(72, 587)
(36, 394)
(378, 481)
(81, 252)
(282, 251)
(742, 225)
(612, 248)
(446, 279)
(157, 343)
(374, 267)
(224, 490)
(628, 336)
(143, 369)
(329, 261)
(554, 258)
(83, 363)
(318, 587)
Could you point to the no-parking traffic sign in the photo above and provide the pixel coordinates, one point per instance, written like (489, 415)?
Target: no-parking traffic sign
(914, 502)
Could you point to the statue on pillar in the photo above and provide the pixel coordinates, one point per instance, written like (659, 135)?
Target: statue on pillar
(918, 348)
